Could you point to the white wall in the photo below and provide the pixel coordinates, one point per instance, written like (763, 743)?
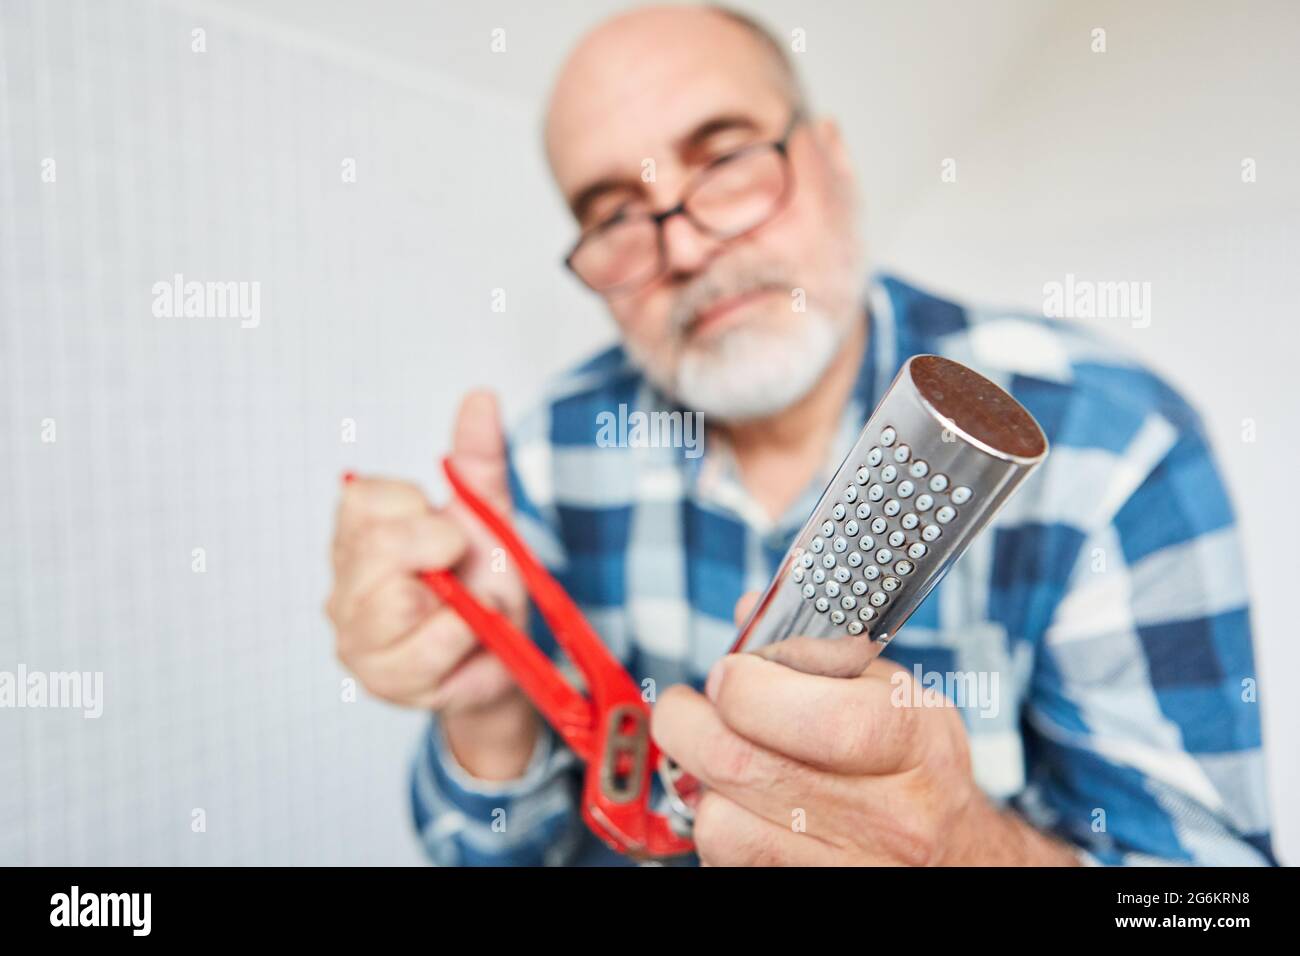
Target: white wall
(220, 688)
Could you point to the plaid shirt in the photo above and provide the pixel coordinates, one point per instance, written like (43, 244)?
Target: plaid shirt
(1108, 598)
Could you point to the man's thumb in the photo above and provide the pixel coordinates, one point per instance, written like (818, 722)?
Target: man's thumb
(478, 449)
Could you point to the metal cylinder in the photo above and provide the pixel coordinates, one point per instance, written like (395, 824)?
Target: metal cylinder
(941, 454)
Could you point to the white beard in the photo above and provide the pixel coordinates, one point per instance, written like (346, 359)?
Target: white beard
(751, 372)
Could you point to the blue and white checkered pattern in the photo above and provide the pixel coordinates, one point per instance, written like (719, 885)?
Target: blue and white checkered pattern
(1108, 599)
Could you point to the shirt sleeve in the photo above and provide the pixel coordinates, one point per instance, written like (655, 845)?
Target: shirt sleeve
(1143, 722)
(465, 821)
(534, 819)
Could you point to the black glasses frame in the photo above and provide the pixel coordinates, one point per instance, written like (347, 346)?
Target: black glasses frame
(782, 148)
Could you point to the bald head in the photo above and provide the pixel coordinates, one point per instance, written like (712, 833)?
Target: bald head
(639, 56)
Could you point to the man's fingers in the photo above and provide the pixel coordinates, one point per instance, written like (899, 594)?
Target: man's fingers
(397, 546)
(387, 614)
(478, 449)
(845, 657)
(417, 664)
(726, 834)
(687, 728)
(367, 500)
(857, 726)
(744, 606)
(480, 676)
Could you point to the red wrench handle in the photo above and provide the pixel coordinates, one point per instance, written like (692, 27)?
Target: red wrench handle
(607, 681)
(610, 732)
(569, 712)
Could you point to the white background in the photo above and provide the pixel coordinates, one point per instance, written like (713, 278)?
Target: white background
(221, 691)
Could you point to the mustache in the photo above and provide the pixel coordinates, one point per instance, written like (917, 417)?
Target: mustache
(706, 290)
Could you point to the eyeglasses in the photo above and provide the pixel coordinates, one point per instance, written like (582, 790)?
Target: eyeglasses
(731, 196)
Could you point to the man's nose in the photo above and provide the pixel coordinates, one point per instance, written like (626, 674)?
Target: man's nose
(686, 249)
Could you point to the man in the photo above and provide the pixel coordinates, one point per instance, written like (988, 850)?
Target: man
(1107, 601)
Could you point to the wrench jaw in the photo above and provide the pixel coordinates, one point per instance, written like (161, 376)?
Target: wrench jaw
(623, 759)
(683, 791)
(616, 805)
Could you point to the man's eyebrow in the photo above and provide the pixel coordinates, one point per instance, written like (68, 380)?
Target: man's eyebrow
(581, 202)
(714, 125)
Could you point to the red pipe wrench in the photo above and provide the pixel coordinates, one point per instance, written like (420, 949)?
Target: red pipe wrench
(609, 731)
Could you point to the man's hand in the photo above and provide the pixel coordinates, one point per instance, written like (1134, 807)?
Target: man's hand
(392, 632)
(802, 769)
